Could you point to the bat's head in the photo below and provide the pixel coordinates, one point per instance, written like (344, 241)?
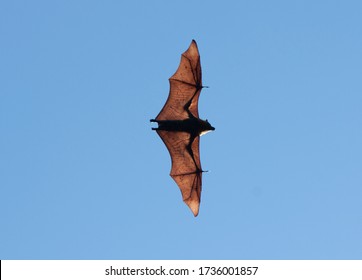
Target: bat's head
(206, 127)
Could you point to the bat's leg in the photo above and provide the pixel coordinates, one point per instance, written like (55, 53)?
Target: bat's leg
(166, 125)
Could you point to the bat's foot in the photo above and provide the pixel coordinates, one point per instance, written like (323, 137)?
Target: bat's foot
(153, 120)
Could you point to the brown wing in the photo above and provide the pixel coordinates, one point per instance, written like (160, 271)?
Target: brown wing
(186, 167)
(185, 87)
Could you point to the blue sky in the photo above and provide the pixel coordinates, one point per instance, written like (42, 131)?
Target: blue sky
(82, 176)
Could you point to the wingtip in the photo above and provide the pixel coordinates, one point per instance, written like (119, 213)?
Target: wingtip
(193, 42)
(193, 50)
(194, 207)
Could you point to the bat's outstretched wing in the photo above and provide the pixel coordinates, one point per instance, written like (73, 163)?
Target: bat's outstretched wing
(186, 167)
(185, 87)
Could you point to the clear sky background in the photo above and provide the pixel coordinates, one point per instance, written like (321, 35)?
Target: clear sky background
(82, 176)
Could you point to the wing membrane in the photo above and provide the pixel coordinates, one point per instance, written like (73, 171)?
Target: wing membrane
(186, 166)
(185, 87)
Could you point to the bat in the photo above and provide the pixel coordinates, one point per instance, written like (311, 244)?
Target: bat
(180, 127)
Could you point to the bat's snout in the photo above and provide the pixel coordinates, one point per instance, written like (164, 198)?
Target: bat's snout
(208, 126)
